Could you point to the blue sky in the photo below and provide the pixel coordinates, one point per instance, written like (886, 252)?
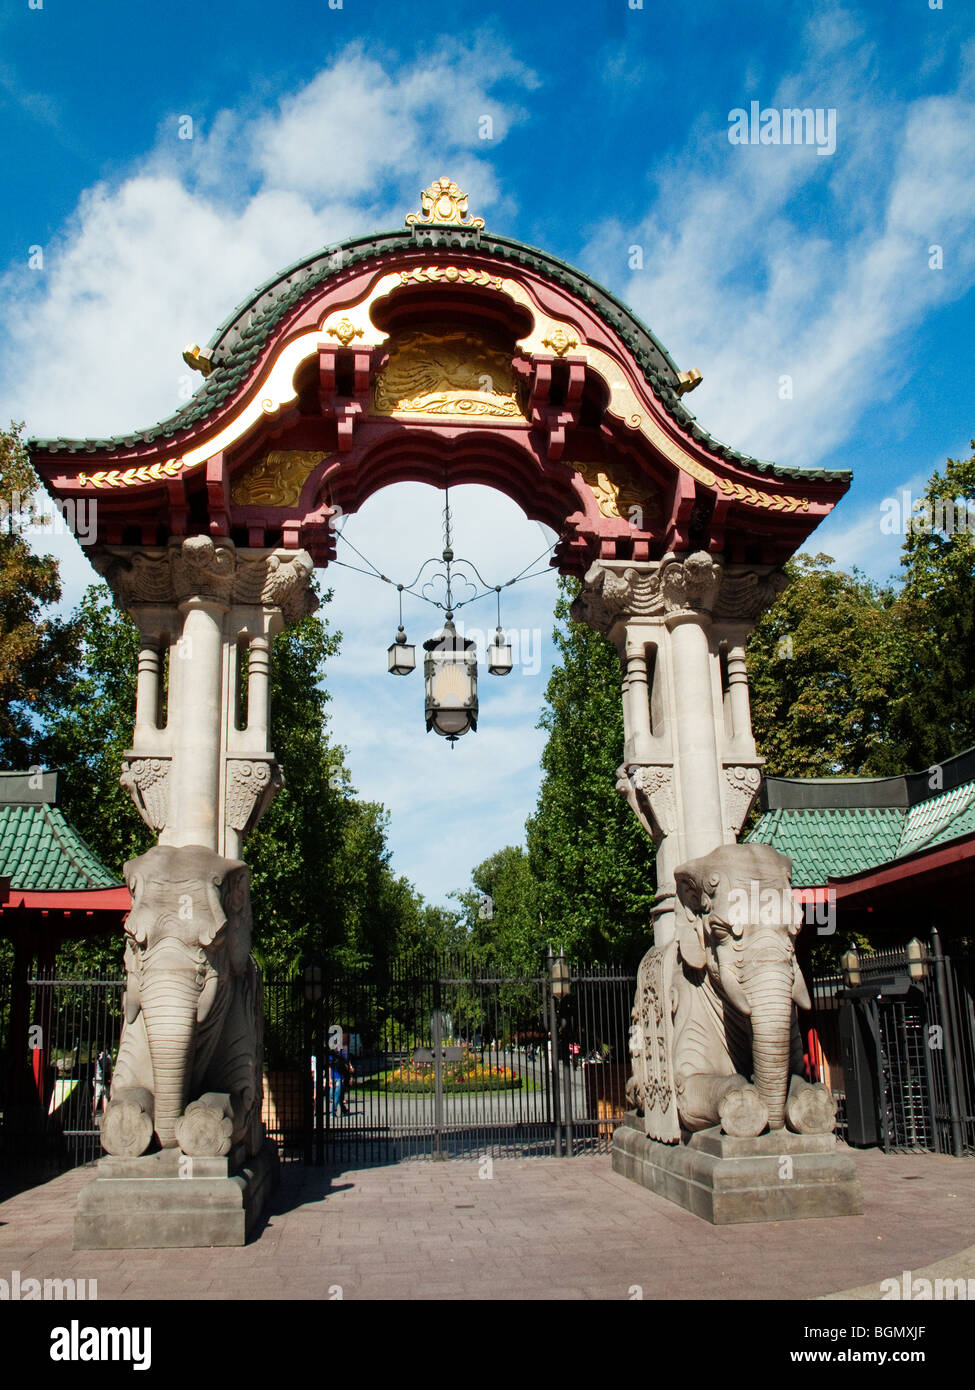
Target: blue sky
(609, 131)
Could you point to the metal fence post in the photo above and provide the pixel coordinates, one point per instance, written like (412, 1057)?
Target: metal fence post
(948, 1035)
(554, 1064)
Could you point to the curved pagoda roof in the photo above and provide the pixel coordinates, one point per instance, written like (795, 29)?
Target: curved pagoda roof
(239, 341)
(440, 354)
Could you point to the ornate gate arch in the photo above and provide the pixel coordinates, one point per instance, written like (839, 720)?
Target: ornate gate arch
(444, 354)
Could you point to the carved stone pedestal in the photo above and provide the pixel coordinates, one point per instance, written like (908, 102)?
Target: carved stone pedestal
(167, 1199)
(776, 1177)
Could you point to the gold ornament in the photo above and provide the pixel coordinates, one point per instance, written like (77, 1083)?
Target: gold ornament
(560, 342)
(345, 331)
(131, 477)
(617, 500)
(754, 497)
(452, 274)
(447, 372)
(443, 205)
(277, 480)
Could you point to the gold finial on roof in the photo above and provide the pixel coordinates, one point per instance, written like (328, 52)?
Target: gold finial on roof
(443, 205)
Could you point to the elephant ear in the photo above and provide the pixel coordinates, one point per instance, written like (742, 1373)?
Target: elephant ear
(132, 999)
(237, 905)
(692, 903)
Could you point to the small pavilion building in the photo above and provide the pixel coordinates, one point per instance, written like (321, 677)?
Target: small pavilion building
(53, 887)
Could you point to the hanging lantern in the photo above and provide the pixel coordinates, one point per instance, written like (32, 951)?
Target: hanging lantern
(402, 655)
(499, 655)
(450, 672)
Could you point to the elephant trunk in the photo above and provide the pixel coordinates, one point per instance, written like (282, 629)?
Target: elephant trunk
(170, 998)
(768, 984)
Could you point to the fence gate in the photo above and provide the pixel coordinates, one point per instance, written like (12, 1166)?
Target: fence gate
(47, 1095)
(447, 1059)
(898, 1048)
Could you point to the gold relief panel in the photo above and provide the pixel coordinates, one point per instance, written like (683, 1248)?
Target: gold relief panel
(277, 480)
(620, 494)
(448, 372)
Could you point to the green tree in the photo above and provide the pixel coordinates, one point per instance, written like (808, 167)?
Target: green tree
(501, 913)
(933, 711)
(824, 666)
(38, 652)
(593, 863)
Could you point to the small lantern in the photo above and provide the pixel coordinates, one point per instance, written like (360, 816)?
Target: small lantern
(916, 965)
(560, 976)
(312, 980)
(499, 655)
(450, 672)
(402, 655)
(850, 962)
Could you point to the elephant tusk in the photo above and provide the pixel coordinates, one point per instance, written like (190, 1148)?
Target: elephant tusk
(732, 989)
(800, 992)
(207, 996)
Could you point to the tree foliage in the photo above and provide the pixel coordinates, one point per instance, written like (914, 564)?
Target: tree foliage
(823, 666)
(592, 862)
(38, 651)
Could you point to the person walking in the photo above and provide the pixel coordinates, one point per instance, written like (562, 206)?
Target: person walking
(340, 1074)
(102, 1080)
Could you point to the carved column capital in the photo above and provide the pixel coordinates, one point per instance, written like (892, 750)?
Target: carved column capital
(689, 585)
(611, 595)
(746, 593)
(198, 567)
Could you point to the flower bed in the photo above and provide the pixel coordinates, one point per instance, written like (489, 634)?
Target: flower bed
(418, 1078)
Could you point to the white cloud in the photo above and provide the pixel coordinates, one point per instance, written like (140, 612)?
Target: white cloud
(737, 284)
(159, 258)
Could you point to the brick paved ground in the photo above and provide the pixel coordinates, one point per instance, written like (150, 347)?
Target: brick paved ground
(538, 1228)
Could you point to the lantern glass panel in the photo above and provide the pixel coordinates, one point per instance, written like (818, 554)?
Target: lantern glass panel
(402, 658)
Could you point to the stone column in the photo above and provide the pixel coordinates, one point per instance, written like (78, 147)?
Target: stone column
(147, 688)
(688, 780)
(196, 720)
(201, 780)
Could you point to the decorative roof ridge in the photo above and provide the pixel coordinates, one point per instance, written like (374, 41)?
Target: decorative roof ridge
(230, 366)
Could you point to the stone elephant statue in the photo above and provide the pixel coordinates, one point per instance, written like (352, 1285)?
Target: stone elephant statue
(190, 1056)
(715, 1037)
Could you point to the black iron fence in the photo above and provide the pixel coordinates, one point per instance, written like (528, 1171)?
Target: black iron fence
(426, 1057)
(444, 1058)
(894, 1038)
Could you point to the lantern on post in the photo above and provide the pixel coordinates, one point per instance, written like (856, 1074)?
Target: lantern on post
(450, 672)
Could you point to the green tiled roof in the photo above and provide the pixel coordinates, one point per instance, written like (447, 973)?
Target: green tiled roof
(944, 817)
(824, 843)
(41, 852)
(239, 341)
(836, 841)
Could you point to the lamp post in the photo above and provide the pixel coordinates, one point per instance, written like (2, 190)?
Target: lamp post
(316, 1076)
(558, 970)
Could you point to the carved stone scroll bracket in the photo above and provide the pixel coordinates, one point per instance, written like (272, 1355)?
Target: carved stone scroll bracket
(146, 781)
(252, 784)
(739, 790)
(649, 790)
